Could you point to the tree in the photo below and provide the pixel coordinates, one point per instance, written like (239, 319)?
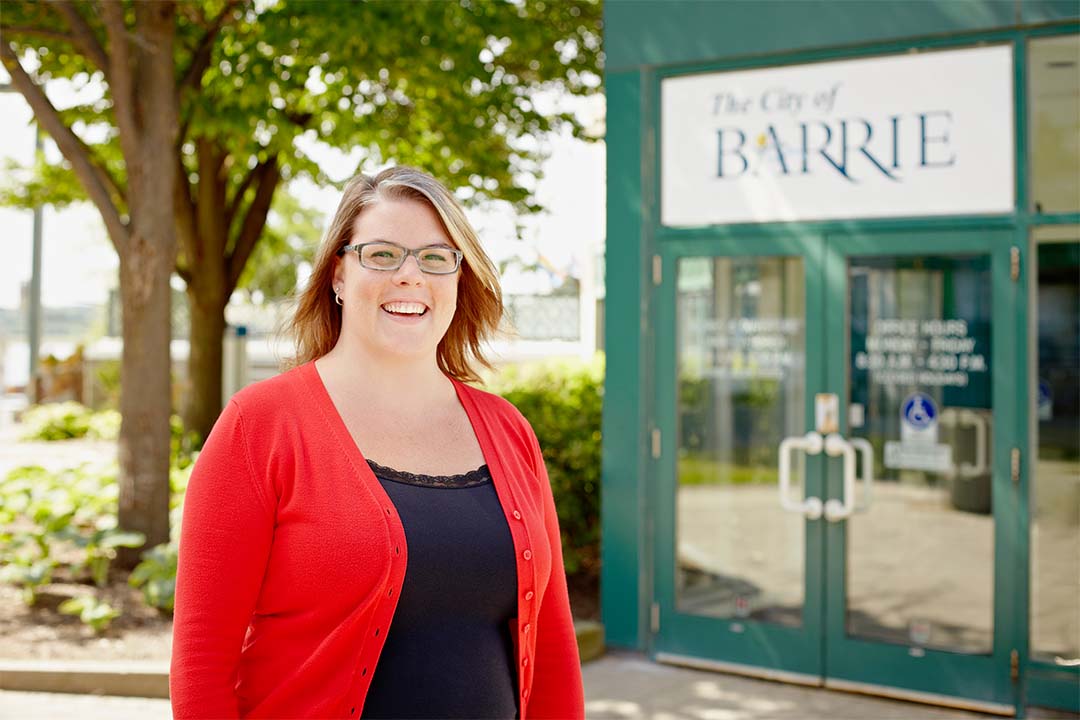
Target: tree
(444, 85)
(244, 92)
(131, 48)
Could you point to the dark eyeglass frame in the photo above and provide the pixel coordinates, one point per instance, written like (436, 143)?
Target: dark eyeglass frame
(359, 247)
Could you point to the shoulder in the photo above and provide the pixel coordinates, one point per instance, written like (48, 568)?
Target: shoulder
(266, 399)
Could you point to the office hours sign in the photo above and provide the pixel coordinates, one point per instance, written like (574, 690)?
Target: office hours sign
(904, 135)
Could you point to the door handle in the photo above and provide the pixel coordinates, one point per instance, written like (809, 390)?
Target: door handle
(837, 446)
(863, 446)
(970, 417)
(811, 443)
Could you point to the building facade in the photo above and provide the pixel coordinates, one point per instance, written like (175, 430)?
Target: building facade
(842, 411)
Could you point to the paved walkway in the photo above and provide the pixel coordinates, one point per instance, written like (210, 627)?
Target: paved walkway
(618, 686)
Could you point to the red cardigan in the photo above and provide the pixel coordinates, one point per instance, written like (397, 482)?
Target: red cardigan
(292, 557)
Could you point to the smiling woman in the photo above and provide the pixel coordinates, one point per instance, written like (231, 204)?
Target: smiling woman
(314, 578)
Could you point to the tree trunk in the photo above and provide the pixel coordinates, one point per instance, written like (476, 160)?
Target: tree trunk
(145, 388)
(145, 268)
(203, 401)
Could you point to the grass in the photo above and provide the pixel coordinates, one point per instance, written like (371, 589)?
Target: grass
(700, 470)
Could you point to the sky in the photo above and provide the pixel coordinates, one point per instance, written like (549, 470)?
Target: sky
(79, 263)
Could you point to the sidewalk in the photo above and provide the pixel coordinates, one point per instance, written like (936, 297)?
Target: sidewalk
(618, 686)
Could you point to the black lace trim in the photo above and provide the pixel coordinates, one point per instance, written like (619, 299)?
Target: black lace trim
(479, 476)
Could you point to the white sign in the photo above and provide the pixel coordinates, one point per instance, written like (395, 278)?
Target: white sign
(931, 458)
(925, 134)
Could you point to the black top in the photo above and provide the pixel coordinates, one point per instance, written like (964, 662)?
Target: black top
(449, 652)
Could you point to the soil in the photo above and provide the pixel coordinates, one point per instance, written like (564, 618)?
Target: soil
(140, 633)
(41, 632)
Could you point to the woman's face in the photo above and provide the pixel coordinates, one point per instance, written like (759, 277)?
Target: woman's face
(367, 293)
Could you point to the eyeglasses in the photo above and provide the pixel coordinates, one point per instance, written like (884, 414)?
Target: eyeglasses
(434, 259)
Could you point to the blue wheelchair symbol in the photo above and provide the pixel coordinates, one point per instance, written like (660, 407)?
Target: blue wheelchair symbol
(919, 411)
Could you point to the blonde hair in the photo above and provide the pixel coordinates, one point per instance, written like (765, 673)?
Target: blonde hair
(316, 324)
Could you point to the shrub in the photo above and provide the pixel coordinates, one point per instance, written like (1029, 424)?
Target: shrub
(67, 420)
(562, 401)
(156, 575)
(71, 514)
(93, 612)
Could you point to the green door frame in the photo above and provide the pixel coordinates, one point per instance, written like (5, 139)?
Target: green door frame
(780, 652)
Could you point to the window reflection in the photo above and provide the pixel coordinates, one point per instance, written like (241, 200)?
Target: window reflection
(1054, 91)
(1055, 495)
(920, 558)
(740, 360)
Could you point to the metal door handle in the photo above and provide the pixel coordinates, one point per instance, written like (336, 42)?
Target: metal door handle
(969, 418)
(863, 446)
(836, 446)
(811, 443)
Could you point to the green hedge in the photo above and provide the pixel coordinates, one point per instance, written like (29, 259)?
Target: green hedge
(562, 401)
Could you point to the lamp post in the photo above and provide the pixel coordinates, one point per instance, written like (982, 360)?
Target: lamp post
(34, 301)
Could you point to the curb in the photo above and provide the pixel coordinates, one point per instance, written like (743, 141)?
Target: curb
(130, 679)
(150, 679)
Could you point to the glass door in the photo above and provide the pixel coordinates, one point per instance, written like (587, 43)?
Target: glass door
(739, 345)
(921, 346)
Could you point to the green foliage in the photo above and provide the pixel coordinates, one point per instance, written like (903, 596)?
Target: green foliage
(93, 612)
(28, 573)
(563, 401)
(156, 575)
(67, 420)
(448, 86)
(70, 514)
(695, 469)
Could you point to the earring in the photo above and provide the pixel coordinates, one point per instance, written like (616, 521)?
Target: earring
(337, 297)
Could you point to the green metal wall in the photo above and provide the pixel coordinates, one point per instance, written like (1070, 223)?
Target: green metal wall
(641, 33)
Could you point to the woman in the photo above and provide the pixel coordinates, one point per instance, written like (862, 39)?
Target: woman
(365, 535)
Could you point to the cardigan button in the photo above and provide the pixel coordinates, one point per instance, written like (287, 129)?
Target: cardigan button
(529, 595)
(517, 515)
(525, 663)
(527, 554)
(525, 629)
(525, 693)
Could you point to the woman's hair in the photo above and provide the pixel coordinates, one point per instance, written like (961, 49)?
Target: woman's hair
(316, 324)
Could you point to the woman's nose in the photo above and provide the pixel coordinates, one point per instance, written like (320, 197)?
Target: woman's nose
(410, 271)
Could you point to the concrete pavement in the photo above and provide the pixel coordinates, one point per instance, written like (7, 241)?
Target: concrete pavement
(618, 686)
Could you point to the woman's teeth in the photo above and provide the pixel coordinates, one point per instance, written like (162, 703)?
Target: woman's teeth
(399, 308)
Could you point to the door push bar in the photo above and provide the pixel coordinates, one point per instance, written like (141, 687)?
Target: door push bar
(836, 446)
(969, 418)
(811, 443)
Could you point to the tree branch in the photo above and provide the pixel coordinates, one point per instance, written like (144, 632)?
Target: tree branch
(200, 59)
(94, 178)
(238, 196)
(254, 221)
(84, 37)
(184, 210)
(120, 76)
(38, 32)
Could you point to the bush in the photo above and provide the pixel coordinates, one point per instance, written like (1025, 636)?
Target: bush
(48, 515)
(68, 420)
(562, 401)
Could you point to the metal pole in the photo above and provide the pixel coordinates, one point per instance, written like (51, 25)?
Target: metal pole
(34, 319)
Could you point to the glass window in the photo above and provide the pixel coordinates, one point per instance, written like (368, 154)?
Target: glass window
(1055, 492)
(741, 344)
(1054, 122)
(921, 393)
